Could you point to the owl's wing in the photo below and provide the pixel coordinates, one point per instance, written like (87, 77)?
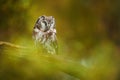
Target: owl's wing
(55, 45)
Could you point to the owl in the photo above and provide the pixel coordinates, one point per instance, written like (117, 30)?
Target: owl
(44, 34)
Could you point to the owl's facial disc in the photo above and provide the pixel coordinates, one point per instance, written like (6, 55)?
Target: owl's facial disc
(44, 26)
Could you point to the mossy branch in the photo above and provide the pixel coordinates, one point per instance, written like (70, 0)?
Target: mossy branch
(58, 62)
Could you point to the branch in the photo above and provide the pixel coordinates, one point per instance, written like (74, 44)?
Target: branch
(70, 67)
(12, 45)
(58, 62)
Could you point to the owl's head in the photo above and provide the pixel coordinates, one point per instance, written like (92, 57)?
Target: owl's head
(44, 23)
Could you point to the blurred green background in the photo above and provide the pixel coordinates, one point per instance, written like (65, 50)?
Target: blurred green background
(88, 34)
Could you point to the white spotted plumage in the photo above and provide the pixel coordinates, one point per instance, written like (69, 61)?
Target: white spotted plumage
(44, 33)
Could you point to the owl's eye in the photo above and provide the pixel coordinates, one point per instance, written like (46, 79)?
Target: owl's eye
(50, 21)
(45, 23)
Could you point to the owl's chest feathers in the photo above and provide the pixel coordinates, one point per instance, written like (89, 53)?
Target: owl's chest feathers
(43, 36)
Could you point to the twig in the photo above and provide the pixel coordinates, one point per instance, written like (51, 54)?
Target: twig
(12, 45)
